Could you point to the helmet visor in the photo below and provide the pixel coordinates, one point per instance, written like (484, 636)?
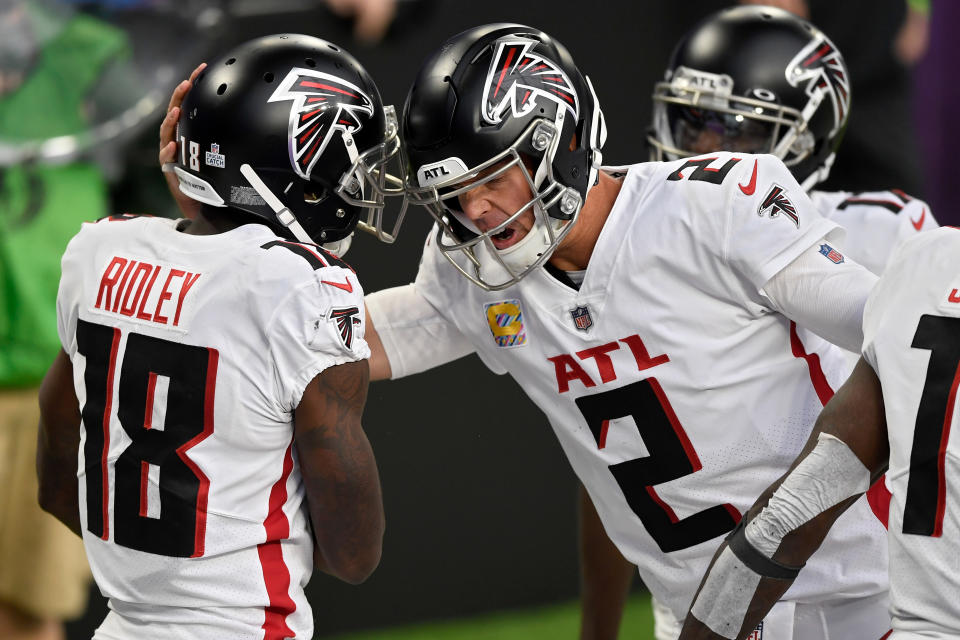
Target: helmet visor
(699, 131)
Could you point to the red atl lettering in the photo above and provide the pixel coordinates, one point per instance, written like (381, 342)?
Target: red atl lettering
(644, 361)
(567, 369)
(604, 363)
(108, 280)
(187, 283)
(953, 296)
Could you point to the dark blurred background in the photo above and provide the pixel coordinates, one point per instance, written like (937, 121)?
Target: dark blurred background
(480, 501)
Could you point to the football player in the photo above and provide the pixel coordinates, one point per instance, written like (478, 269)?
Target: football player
(759, 79)
(213, 371)
(896, 409)
(740, 81)
(650, 311)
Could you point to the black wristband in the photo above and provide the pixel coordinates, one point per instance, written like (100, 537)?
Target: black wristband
(756, 561)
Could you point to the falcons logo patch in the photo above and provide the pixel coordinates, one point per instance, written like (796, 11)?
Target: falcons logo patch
(344, 319)
(518, 78)
(776, 202)
(819, 65)
(323, 104)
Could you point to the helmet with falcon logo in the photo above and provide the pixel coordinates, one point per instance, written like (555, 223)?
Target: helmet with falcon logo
(491, 98)
(290, 128)
(754, 79)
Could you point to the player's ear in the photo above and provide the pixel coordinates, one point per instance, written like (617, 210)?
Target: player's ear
(573, 142)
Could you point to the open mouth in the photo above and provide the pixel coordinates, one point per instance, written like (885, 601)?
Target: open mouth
(505, 238)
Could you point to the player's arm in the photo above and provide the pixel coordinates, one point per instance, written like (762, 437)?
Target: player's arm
(847, 450)
(58, 441)
(406, 334)
(339, 473)
(823, 296)
(379, 362)
(605, 576)
(168, 144)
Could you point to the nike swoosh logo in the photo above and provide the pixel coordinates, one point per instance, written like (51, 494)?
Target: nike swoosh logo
(919, 223)
(751, 186)
(346, 286)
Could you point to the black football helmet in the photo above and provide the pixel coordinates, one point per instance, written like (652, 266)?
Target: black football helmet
(292, 129)
(501, 95)
(757, 80)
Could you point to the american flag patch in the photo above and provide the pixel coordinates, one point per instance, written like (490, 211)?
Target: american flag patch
(757, 633)
(832, 254)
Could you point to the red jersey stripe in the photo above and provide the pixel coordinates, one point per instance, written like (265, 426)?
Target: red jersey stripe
(276, 575)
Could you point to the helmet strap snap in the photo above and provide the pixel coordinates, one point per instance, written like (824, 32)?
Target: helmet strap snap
(284, 215)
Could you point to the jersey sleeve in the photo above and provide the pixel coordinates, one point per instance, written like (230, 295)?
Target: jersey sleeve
(414, 334)
(445, 290)
(770, 220)
(316, 326)
(900, 276)
(877, 222)
(68, 293)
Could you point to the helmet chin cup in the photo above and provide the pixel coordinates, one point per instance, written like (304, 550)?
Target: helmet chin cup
(340, 247)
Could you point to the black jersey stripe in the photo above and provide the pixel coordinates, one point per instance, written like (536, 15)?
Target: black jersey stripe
(886, 204)
(307, 253)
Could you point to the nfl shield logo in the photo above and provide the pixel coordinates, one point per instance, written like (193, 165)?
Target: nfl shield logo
(832, 254)
(757, 633)
(581, 318)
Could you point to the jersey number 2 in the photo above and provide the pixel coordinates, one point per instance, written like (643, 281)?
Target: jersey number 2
(175, 524)
(671, 457)
(927, 487)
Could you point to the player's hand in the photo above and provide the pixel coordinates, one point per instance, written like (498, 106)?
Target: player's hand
(371, 18)
(168, 144)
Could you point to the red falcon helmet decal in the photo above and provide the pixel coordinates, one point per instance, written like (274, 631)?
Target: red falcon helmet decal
(322, 105)
(518, 78)
(820, 65)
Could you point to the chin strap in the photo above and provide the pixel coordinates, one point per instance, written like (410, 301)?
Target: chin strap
(598, 136)
(820, 174)
(284, 215)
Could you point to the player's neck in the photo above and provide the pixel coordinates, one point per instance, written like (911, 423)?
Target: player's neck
(574, 252)
(204, 225)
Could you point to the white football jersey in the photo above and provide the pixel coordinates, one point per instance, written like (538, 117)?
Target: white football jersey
(912, 339)
(877, 222)
(190, 354)
(676, 392)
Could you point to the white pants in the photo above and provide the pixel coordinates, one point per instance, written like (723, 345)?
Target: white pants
(847, 619)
